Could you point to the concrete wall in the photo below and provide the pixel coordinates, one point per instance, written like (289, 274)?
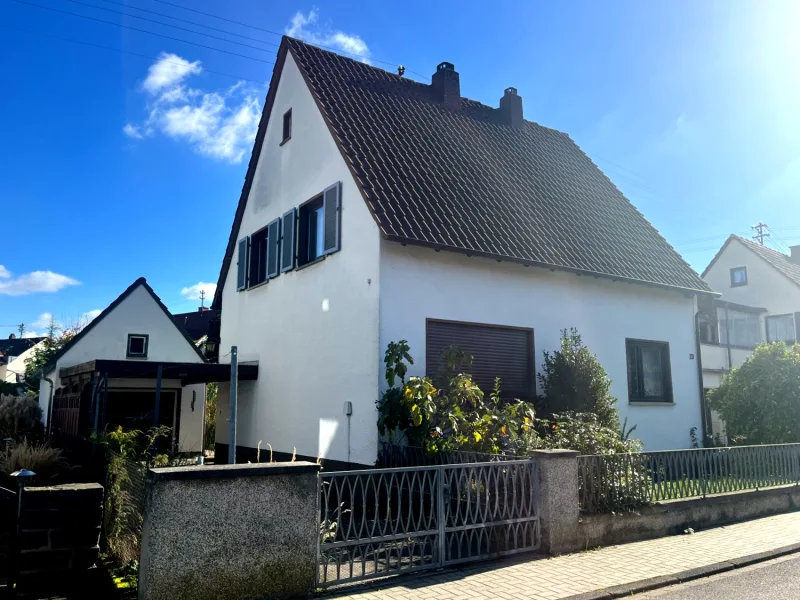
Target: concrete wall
(675, 517)
(417, 283)
(60, 530)
(313, 331)
(229, 532)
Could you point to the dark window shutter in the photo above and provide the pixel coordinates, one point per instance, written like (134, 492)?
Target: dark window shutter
(504, 352)
(332, 210)
(288, 224)
(241, 275)
(273, 247)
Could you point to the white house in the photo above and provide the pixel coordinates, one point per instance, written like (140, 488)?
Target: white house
(377, 208)
(112, 372)
(760, 301)
(14, 353)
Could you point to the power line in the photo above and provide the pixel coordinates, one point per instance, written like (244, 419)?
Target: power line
(208, 35)
(65, 12)
(58, 37)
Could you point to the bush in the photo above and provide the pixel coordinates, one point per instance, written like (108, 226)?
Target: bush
(20, 417)
(585, 433)
(573, 381)
(43, 460)
(760, 400)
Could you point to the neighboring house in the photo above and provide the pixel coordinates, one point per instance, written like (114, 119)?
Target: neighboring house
(14, 352)
(197, 324)
(377, 208)
(115, 369)
(760, 302)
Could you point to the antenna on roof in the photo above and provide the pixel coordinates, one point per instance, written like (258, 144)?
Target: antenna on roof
(202, 298)
(759, 237)
(401, 70)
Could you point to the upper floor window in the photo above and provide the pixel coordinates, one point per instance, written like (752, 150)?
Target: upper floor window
(738, 276)
(318, 226)
(287, 126)
(649, 376)
(741, 328)
(781, 328)
(137, 345)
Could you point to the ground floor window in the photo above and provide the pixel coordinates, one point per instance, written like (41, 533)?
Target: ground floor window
(649, 376)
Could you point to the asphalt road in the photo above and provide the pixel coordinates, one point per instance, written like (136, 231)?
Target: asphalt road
(777, 579)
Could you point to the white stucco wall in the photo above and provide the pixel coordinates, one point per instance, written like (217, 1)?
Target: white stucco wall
(418, 283)
(17, 366)
(108, 339)
(313, 331)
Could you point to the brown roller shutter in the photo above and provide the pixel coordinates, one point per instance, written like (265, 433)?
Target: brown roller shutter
(497, 351)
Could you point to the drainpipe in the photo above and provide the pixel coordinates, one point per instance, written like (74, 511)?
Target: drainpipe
(49, 406)
(703, 401)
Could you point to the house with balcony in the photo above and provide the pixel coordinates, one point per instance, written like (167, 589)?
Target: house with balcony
(759, 302)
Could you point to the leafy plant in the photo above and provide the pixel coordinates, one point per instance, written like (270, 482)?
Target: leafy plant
(585, 433)
(20, 417)
(210, 434)
(573, 380)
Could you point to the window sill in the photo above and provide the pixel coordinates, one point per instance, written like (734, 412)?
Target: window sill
(313, 262)
(284, 141)
(648, 403)
(258, 285)
(136, 357)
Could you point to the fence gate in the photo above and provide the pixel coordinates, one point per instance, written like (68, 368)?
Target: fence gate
(386, 521)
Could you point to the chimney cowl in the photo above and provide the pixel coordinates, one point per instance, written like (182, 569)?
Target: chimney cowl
(446, 85)
(511, 108)
(12, 336)
(795, 254)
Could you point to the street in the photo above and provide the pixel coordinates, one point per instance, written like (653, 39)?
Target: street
(777, 579)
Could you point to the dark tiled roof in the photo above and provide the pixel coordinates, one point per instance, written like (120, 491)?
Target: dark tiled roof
(196, 323)
(463, 180)
(778, 260)
(16, 346)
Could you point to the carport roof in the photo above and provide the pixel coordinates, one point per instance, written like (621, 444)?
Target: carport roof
(188, 373)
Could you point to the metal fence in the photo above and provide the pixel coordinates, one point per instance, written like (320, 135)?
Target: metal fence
(388, 521)
(397, 455)
(620, 482)
(126, 485)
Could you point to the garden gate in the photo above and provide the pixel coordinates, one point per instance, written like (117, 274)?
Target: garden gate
(386, 521)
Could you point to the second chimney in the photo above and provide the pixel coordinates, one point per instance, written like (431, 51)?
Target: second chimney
(446, 85)
(511, 108)
(795, 257)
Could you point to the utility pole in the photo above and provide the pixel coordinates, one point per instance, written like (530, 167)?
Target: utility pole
(759, 237)
(202, 298)
(21, 328)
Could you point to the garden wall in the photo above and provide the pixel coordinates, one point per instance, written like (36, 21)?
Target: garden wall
(676, 516)
(229, 532)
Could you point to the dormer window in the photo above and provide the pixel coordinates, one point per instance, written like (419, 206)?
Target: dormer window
(137, 345)
(738, 276)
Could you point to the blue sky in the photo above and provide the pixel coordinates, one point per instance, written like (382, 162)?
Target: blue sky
(116, 165)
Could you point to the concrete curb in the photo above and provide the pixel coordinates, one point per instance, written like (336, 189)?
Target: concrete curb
(646, 585)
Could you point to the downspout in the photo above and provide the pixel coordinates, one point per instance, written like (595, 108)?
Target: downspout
(49, 406)
(703, 401)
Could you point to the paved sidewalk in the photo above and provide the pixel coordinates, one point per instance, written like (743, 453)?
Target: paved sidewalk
(552, 578)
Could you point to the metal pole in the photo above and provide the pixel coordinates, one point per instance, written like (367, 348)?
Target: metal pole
(233, 393)
(22, 477)
(105, 399)
(94, 403)
(157, 408)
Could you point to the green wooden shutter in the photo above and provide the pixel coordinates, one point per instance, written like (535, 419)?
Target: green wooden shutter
(273, 248)
(288, 224)
(331, 203)
(241, 271)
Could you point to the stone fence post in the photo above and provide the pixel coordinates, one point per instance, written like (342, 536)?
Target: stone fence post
(559, 505)
(229, 532)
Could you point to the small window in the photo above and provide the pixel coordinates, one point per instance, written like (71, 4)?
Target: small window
(137, 345)
(287, 126)
(780, 328)
(311, 233)
(738, 276)
(649, 377)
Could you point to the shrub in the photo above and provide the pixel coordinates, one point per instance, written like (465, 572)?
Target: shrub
(43, 460)
(20, 417)
(573, 380)
(585, 433)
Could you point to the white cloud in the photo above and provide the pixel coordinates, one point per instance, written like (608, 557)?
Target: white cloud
(168, 71)
(90, 315)
(132, 131)
(220, 124)
(306, 27)
(43, 321)
(32, 283)
(31, 334)
(193, 291)
(4, 273)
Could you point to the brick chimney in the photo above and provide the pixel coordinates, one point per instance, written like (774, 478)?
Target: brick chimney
(511, 108)
(446, 85)
(795, 257)
(12, 336)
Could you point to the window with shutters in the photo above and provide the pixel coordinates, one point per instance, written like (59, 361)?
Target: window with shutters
(258, 257)
(241, 265)
(318, 226)
(649, 375)
(497, 351)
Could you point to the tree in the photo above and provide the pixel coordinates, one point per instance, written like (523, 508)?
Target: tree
(760, 400)
(54, 340)
(573, 380)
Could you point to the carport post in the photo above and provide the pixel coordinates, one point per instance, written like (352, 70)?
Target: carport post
(159, 372)
(234, 386)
